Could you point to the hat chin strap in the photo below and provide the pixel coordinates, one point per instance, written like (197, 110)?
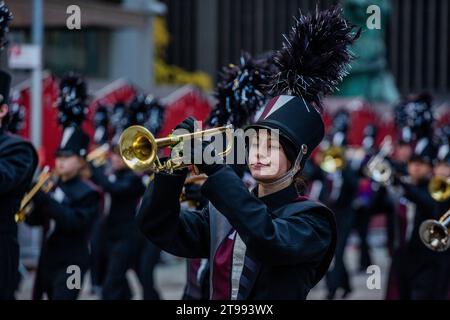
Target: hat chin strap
(289, 175)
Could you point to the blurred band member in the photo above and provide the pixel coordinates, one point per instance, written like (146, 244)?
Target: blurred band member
(18, 161)
(416, 271)
(363, 203)
(66, 213)
(97, 242)
(119, 230)
(338, 193)
(442, 170)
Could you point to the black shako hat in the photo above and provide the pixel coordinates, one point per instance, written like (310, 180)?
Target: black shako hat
(101, 125)
(74, 142)
(5, 84)
(443, 136)
(424, 151)
(299, 123)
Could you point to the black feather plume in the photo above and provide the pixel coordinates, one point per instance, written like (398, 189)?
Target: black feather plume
(155, 114)
(240, 92)
(101, 124)
(137, 110)
(119, 120)
(71, 103)
(315, 56)
(416, 113)
(5, 18)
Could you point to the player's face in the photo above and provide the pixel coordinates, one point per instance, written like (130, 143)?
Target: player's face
(117, 162)
(418, 170)
(442, 170)
(69, 166)
(267, 159)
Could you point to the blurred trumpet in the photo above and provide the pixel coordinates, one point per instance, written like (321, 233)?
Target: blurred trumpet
(99, 155)
(378, 168)
(333, 159)
(44, 183)
(139, 148)
(439, 188)
(435, 234)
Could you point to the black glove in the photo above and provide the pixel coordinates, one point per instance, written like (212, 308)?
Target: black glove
(193, 192)
(189, 124)
(207, 168)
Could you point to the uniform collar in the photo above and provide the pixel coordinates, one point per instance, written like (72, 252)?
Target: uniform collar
(280, 198)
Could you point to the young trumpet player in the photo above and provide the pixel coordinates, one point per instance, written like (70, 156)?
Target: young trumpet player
(66, 213)
(240, 93)
(118, 227)
(338, 193)
(270, 243)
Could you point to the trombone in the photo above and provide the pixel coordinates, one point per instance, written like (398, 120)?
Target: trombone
(439, 188)
(139, 148)
(45, 183)
(435, 234)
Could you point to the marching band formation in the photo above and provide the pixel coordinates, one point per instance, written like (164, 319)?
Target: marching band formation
(407, 179)
(268, 229)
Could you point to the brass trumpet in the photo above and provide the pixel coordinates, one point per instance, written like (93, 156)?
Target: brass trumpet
(99, 155)
(45, 183)
(333, 159)
(378, 168)
(439, 188)
(139, 148)
(435, 234)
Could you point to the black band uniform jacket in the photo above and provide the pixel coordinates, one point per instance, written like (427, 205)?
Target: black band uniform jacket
(282, 248)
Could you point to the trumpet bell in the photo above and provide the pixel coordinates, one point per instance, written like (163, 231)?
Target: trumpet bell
(378, 167)
(381, 172)
(138, 148)
(333, 160)
(439, 188)
(434, 235)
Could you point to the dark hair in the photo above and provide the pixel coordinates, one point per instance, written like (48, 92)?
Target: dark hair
(5, 121)
(291, 153)
(299, 183)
